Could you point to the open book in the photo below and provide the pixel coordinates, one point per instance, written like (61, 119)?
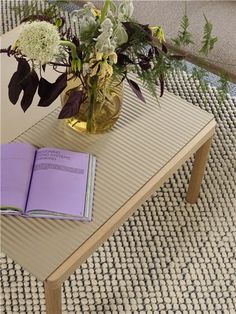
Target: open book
(46, 182)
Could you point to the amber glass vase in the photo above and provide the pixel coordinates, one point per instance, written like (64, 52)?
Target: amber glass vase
(101, 106)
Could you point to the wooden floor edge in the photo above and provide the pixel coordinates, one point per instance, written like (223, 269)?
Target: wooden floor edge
(56, 278)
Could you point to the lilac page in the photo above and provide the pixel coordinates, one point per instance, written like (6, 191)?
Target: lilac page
(16, 168)
(59, 182)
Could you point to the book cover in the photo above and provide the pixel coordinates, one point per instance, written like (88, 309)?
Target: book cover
(46, 182)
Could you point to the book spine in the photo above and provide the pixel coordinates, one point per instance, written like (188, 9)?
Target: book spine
(32, 172)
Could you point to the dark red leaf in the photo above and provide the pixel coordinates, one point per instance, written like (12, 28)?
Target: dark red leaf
(48, 92)
(68, 32)
(143, 57)
(122, 48)
(9, 51)
(144, 65)
(132, 27)
(14, 86)
(79, 50)
(157, 53)
(44, 67)
(177, 57)
(147, 31)
(144, 62)
(135, 88)
(29, 86)
(162, 84)
(72, 105)
(76, 41)
(124, 59)
(128, 28)
(151, 52)
(164, 49)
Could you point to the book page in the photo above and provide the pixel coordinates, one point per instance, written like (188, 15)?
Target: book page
(16, 168)
(59, 182)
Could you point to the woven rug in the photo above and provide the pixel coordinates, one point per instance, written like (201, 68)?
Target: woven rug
(169, 257)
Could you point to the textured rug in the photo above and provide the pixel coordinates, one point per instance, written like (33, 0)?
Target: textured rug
(169, 257)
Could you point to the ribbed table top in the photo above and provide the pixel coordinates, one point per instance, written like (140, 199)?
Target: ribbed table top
(145, 138)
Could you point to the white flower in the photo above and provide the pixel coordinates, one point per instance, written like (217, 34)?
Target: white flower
(120, 35)
(75, 14)
(89, 6)
(87, 24)
(39, 41)
(125, 10)
(104, 43)
(87, 10)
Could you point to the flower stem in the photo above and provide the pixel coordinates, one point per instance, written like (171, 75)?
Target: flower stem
(92, 95)
(72, 46)
(76, 62)
(105, 8)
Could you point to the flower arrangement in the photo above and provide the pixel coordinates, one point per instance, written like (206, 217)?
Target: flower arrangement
(109, 43)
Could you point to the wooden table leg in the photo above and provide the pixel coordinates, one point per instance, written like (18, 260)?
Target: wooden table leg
(53, 299)
(198, 171)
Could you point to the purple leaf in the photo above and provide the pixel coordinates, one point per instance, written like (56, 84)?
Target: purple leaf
(162, 84)
(9, 51)
(133, 27)
(124, 59)
(147, 31)
(157, 53)
(76, 41)
(122, 48)
(135, 88)
(128, 28)
(68, 32)
(72, 105)
(164, 49)
(144, 62)
(151, 52)
(144, 65)
(177, 57)
(48, 92)
(29, 86)
(14, 86)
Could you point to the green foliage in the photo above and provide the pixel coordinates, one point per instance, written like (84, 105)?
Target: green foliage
(88, 34)
(51, 8)
(150, 78)
(208, 40)
(178, 65)
(149, 69)
(105, 9)
(223, 89)
(201, 75)
(150, 66)
(184, 36)
(138, 35)
(25, 10)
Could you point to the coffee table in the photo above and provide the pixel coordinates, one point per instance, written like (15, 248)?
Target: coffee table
(147, 145)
